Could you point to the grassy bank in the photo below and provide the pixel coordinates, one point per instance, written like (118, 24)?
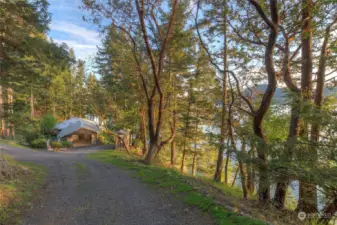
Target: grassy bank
(176, 184)
(12, 143)
(17, 193)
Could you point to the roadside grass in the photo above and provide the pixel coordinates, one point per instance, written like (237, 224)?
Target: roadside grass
(227, 190)
(176, 184)
(12, 143)
(16, 194)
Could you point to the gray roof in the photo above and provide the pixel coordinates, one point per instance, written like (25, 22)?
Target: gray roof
(70, 126)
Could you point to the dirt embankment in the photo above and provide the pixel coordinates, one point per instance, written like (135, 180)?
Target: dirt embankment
(7, 170)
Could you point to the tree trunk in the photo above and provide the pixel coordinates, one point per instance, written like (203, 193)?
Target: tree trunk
(173, 152)
(187, 124)
(173, 104)
(10, 102)
(54, 110)
(264, 185)
(219, 164)
(243, 174)
(235, 176)
(294, 129)
(307, 197)
(32, 111)
(280, 194)
(328, 212)
(195, 145)
(153, 148)
(12, 129)
(173, 143)
(284, 180)
(226, 167)
(183, 162)
(262, 148)
(250, 170)
(2, 111)
(157, 68)
(143, 130)
(307, 194)
(154, 138)
(331, 208)
(194, 162)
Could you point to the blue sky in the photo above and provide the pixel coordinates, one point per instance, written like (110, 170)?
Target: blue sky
(68, 26)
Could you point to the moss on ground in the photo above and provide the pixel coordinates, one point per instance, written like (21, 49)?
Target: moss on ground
(176, 184)
(16, 194)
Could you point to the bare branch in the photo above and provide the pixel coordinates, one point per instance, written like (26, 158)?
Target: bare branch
(202, 42)
(155, 19)
(259, 9)
(141, 14)
(240, 94)
(139, 68)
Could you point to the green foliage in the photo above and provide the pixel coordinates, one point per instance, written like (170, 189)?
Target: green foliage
(31, 136)
(102, 139)
(197, 199)
(48, 123)
(56, 145)
(105, 138)
(39, 143)
(138, 143)
(66, 144)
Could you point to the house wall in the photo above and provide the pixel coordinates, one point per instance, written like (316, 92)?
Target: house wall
(82, 137)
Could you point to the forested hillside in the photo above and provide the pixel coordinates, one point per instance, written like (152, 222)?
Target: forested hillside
(196, 85)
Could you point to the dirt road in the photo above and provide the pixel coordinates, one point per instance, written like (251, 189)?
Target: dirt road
(81, 191)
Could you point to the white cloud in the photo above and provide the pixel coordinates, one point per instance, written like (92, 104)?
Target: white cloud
(84, 34)
(82, 51)
(80, 38)
(74, 44)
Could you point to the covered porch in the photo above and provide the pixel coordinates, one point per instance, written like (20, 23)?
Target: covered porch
(82, 137)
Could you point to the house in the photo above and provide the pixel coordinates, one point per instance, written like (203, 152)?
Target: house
(80, 132)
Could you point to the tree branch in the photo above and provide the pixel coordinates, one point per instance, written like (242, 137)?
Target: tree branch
(262, 13)
(139, 68)
(155, 20)
(141, 14)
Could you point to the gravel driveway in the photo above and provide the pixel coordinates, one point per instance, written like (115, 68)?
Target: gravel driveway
(81, 191)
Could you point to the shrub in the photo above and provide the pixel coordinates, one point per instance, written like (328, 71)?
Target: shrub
(48, 123)
(31, 136)
(105, 138)
(56, 145)
(102, 139)
(138, 143)
(39, 143)
(67, 144)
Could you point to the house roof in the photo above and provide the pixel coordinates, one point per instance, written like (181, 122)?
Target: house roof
(68, 127)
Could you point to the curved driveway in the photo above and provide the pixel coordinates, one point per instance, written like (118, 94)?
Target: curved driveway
(80, 191)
